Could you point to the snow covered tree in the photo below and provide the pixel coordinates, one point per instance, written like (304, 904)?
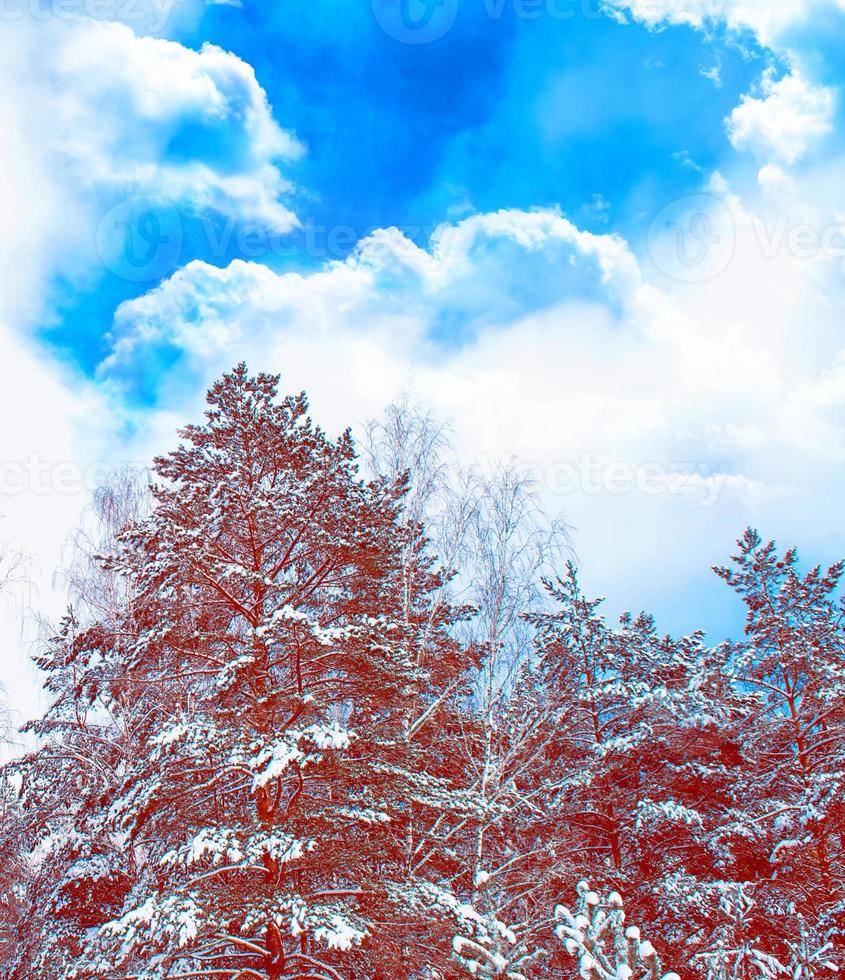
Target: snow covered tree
(295, 715)
(13, 867)
(633, 767)
(789, 802)
(495, 951)
(736, 949)
(705, 777)
(13, 873)
(606, 949)
(290, 738)
(77, 869)
(490, 528)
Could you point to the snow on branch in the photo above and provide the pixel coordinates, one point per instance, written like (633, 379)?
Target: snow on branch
(595, 933)
(494, 952)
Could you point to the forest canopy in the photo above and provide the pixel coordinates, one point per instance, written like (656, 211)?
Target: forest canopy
(331, 712)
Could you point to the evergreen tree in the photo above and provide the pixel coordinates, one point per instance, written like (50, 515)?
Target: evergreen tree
(292, 710)
(634, 769)
(790, 799)
(279, 747)
(606, 948)
(13, 873)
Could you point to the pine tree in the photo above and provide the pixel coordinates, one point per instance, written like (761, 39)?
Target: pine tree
(606, 949)
(13, 873)
(294, 714)
(634, 768)
(789, 802)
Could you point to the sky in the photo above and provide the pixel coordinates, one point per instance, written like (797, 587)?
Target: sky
(603, 239)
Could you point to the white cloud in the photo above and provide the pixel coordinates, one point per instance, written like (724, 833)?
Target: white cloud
(124, 106)
(773, 180)
(784, 119)
(540, 340)
(789, 118)
(770, 20)
(91, 114)
(389, 286)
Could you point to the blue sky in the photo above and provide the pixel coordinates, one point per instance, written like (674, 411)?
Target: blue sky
(569, 108)
(604, 240)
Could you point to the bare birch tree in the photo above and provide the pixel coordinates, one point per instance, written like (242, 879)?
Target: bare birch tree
(487, 524)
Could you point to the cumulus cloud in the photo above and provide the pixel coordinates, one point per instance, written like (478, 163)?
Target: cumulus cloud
(93, 115)
(528, 295)
(660, 416)
(788, 118)
(769, 20)
(198, 130)
(390, 288)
